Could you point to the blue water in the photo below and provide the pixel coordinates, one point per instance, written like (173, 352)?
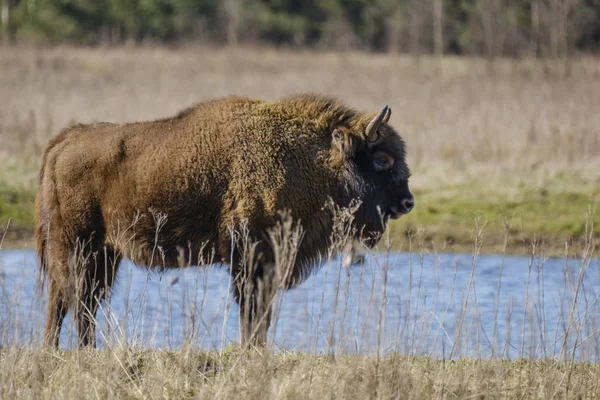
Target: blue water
(443, 305)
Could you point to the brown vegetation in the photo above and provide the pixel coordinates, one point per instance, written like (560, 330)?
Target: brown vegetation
(462, 116)
(130, 373)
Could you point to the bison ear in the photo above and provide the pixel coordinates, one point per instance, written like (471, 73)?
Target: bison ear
(343, 143)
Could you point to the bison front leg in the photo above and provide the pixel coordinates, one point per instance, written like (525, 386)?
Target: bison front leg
(255, 298)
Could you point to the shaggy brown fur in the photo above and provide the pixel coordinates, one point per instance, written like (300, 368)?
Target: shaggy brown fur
(170, 190)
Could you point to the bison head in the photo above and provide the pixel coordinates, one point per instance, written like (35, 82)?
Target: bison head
(372, 158)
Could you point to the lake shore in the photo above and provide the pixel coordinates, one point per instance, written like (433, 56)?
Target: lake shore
(130, 372)
(514, 220)
(440, 242)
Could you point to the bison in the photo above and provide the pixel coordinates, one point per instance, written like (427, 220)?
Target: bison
(168, 190)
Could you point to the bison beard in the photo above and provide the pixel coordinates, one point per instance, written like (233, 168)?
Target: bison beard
(210, 185)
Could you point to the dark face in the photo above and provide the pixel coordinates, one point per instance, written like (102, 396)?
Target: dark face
(383, 167)
(376, 174)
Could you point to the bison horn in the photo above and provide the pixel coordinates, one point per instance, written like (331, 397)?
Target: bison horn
(371, 131)
(386, 119)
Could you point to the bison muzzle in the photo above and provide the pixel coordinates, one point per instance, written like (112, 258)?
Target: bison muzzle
(188, 190)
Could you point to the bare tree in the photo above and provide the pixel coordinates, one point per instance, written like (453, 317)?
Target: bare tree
(338, 34)
(535, 28)
(4, 14)
(438, 39)
(558, 22)
(416, 15)
(489, 12)
(499, 25)
(231, 15)
(394, 27)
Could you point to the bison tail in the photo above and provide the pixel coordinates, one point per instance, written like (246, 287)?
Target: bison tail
(40, 241)
(41, 213)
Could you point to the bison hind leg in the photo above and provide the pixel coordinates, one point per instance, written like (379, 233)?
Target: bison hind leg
(55, 266)
(57, 310)
(98, 271)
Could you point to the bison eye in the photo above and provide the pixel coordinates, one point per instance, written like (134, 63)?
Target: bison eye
(382, 162)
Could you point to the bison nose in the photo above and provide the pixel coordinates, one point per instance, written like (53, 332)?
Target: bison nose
(407, 204)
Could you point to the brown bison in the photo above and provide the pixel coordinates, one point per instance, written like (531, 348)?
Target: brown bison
(170, 190)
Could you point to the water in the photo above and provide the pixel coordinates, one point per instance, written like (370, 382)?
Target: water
(444, 305)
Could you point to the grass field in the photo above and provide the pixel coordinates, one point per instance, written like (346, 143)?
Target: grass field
(512, 145)
(187, 373)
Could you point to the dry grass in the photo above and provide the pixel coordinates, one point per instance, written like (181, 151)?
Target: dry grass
(503, 133)
(459, 119)
(188, 373)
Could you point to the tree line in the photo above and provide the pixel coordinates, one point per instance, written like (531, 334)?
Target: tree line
(541, 28)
